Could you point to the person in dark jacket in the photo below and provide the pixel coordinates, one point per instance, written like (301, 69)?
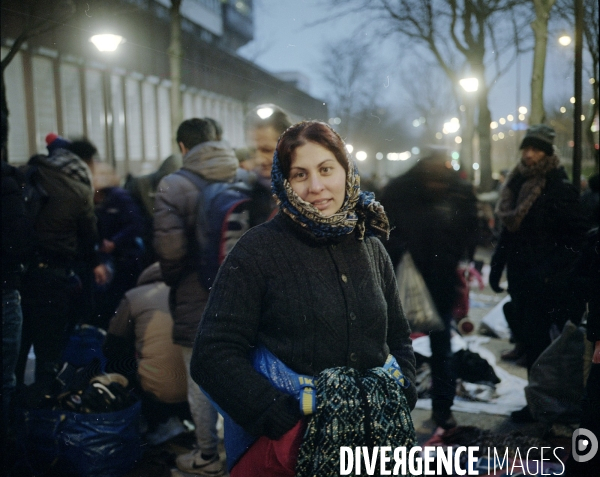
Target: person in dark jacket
(143, 191)
(120, 226)
(542, 235)
(66, 232)
(17, 243)
(265, 123)
(590, 200)
(314, 286)
(433, 213)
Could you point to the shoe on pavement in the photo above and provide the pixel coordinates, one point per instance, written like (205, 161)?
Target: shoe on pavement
(193, 463)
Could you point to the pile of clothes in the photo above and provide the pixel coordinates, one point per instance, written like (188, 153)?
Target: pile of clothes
(82, 390)
(476, 377)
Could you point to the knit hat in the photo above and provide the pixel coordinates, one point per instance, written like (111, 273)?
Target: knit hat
(540, 137)
(54, 142)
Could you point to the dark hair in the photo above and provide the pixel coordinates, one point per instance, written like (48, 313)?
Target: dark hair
(310, 131)
(195, 131)
(83, 148)
(218, 128)
(278, 120)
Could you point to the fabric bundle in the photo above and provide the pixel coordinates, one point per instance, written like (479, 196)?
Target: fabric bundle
(353, 409)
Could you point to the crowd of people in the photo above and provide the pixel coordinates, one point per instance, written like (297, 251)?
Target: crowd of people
(309, 291)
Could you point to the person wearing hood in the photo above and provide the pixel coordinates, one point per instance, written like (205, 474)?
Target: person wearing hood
(142, 327)
(174, 241)
(543, 231)
(143, 192)
(66, 232)
(120, 226)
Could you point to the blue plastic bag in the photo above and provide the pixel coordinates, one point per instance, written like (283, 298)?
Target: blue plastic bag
(85, 344)
(83, 445)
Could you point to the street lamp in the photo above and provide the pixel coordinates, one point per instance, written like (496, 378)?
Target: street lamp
(470, 85)
(451, 126)
(107, 41)
(565, 40)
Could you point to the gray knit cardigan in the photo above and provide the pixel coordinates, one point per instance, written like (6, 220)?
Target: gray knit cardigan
(315, 304)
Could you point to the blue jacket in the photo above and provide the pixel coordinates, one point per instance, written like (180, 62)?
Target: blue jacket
(120, 221)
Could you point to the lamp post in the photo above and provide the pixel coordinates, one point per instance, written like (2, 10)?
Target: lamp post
(565, 40)
(108, 42)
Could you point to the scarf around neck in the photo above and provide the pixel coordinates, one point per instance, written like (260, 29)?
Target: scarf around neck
(359, 211)
(513, 212)
(71, 165)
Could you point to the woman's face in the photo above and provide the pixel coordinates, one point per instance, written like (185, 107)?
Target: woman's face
(317, 177)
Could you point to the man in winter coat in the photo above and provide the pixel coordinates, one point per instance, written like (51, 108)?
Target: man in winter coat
(17, 242)
(65, 228)
(543, 232)
(434, 217)
(175, 244)
(120, 226)
(143, 327)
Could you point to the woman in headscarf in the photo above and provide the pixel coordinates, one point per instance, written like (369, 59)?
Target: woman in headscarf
(309, 294)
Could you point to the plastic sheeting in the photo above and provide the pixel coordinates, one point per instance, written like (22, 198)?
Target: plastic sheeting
(56, 442)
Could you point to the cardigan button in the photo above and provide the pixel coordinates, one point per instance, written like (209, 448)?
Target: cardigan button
(352, 316)
(353, 357)
(344, 278)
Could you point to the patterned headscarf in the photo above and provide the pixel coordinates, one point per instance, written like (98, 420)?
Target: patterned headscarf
(360, 209)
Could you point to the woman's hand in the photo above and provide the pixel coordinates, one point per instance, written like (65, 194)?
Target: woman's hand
(596, 356)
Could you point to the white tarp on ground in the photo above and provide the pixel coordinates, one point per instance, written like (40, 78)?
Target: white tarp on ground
(509, 394)
(496, 321)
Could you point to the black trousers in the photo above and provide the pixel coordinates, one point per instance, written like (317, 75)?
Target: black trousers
(443, 374)
(46, 301)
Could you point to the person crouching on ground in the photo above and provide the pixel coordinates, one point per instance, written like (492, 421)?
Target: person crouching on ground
(311, 292)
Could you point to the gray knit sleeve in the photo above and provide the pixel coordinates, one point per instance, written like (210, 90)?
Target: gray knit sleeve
(227, 333)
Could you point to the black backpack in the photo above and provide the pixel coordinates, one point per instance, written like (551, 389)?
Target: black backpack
(222, 217)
